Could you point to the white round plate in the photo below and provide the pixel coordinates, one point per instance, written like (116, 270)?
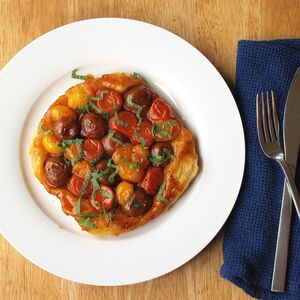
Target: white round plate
(32, 220)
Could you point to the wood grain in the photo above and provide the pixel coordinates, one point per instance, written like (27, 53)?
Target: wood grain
(214, 27)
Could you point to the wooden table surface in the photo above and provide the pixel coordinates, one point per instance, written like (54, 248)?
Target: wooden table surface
(214, 27)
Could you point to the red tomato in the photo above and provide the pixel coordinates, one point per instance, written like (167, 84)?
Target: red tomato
(75, 186)
(92, 149)
(110, 100)
(104, 198)
(159, 110)
(143, 133)
(126, 123)
(153, 180)
(113, 141)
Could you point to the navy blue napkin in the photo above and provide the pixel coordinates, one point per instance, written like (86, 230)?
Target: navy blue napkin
(251, 231)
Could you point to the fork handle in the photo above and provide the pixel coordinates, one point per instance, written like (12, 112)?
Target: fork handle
(291, 185)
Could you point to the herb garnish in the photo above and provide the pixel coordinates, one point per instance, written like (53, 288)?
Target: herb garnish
(160, 129)
(111, 178)
(158, 160)
(132, 166)
(86, 107)
(42, 131)
(78, 142)
(111, 136)
(138, 135)
(78, 212)
(86, 223)
(139, 108)
(159, 194)
(74, 75)
(136, 75)
(100, 97)
(116, 118)
(108, 216)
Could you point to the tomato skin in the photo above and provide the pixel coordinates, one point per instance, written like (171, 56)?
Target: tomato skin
(92, 149)
(127, 117)
(111, 99)
(75, 186)
(153, 180)
(103, 201)
(109, 145)
(145, 132)
(159, 110)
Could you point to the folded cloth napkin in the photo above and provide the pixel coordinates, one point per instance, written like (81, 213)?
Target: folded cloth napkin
(251, 232)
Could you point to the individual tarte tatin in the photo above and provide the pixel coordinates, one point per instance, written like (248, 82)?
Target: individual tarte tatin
(113, 152)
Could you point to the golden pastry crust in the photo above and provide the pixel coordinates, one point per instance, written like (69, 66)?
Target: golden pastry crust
(178, 174)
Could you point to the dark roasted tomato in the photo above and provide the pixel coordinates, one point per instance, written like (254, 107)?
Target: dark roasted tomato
(143, 134)
(139, 203)
(109, 100)
(124, 122)
(138, 97)
(66, 128)
(159, 110)
(57, 171)
(92, 149)
(93, 126)
(165, 130)
(75, 186)
(106, 172)
(161, 154)
(112, 141)
(104, 198)
(153, 180)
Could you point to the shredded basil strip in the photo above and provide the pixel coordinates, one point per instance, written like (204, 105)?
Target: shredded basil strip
(76, 76)
(78, 212)
(108, 216)
(111, 136)
(159, 194)
(136, 75)
(132, 166)
(158, 160)
(138, 107)
(160, 129)
(42, 131)
(138, 135)
(116, 118)
(100, 97)
(78, 142)
(111, 178)
(86, 223)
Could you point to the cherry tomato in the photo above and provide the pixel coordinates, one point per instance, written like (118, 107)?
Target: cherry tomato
(92, 149)
(113, 141)
(159, 110)
(110, 99)
(153, 180)
(143, 134)
(125, 123)
(166, 130)
(104, 198)
(75, 186)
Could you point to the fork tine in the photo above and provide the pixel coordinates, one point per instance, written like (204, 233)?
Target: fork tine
(264, 117)
(258, 121)
(275, 116)
(270, 119)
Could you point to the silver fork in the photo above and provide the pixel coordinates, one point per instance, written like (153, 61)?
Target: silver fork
(269, 139)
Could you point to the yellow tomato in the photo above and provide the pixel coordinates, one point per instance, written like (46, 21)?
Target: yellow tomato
(130, 172)
(82, 168)
(59, 111)
(123, 191)
(77, 95)
(71, 152)
(50, 144)
(140, 155)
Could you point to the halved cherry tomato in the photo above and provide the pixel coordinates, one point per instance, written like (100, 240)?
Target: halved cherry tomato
(104, 198)
(153, 180)
(82, 168)
(143, 134)
(123, 191)
(166, 130)
(125, 123)
(112, 141)
(159, 110)
(111, 100)
(75, 186)
(92, 149)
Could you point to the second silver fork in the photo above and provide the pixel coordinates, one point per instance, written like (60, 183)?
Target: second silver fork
(269, 139)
